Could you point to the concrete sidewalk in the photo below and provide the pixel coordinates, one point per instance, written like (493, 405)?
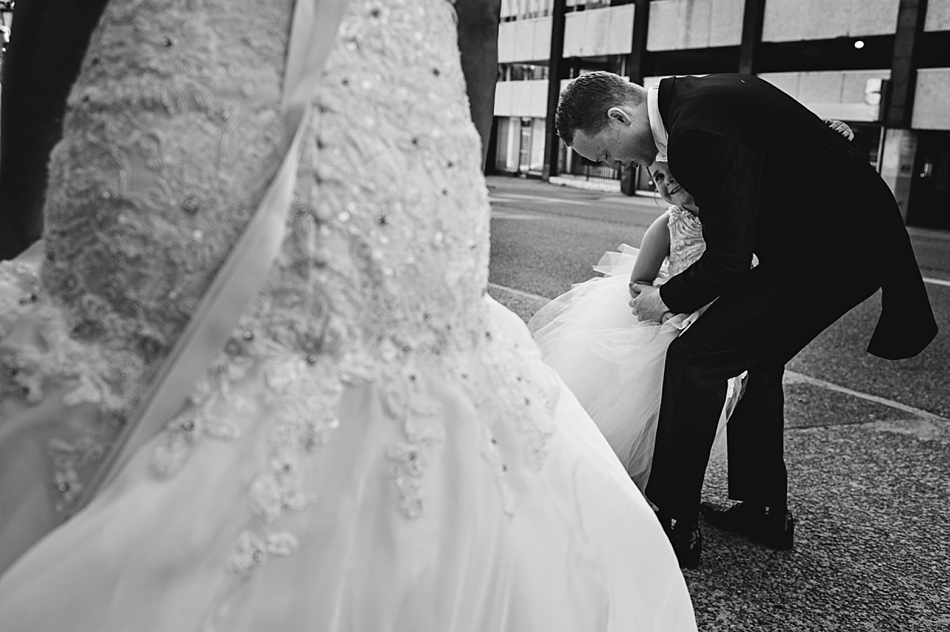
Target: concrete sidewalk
(869, 488)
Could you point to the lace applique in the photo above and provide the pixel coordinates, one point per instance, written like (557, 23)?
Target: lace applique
(214, 417)
(409, 463)
(23, 289)
(253, 549)
(41, 357)
(686, 240)
(512, 394)
(303, 394)
(492, 456)
(68, 460)
(407, 402)
(305, 398)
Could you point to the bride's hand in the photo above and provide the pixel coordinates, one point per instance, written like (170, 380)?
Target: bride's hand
(634, 292)
(648, 304)
(841, 127)
(636, 286)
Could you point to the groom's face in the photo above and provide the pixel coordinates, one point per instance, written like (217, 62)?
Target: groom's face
(625, 139)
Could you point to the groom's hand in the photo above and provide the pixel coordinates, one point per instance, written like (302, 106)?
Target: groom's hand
(647, 303)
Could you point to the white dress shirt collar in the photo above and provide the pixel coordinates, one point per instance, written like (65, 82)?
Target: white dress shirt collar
(660, 137)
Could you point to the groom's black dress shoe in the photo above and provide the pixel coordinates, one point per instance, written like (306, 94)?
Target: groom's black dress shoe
(773, 528)
(687, 541)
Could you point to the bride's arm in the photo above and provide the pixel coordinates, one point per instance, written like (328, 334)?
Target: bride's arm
(42, 61)
(654, 248)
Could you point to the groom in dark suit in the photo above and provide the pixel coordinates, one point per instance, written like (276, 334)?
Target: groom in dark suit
(769, 178)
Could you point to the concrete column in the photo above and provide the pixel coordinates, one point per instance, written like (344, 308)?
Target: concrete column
(900, 141)
(897, 163)
(753, 17)
(638, 67)
(637, 59)
(557, 70)
(903, 81)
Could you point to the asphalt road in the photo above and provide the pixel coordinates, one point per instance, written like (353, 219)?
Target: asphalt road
(867, 441)
(545, 238)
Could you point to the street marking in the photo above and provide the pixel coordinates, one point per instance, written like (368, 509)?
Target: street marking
(637, 201)
(928, 233)
(504, 215)
(794, 377)
(515, 197)
(527, 295)
(790, 376)
(937, 282)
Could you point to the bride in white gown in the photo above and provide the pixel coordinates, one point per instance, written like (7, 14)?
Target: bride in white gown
(378, 446)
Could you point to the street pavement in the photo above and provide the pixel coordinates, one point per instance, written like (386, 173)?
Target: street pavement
(867, 440)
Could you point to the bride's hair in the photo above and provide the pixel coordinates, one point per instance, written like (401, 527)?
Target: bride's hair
(656, 190)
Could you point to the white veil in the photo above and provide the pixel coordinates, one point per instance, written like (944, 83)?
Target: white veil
(312, 36)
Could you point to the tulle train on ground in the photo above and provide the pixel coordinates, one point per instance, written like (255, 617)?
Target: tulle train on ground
(612, 362)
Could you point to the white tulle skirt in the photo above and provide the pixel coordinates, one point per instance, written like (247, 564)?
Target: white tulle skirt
(613, 363)
(576, 548)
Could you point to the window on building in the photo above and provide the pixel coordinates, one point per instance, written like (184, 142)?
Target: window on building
(522, 72)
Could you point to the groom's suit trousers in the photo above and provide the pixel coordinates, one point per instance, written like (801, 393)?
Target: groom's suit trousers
(756, 327)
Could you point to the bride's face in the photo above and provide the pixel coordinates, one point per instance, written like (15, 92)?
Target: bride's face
(668, 188)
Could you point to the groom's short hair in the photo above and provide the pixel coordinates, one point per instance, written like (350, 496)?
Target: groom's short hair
(584, 103)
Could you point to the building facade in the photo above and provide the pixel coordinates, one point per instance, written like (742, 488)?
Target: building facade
(883, 66)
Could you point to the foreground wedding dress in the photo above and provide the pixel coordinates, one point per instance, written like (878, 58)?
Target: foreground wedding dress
(378, 446)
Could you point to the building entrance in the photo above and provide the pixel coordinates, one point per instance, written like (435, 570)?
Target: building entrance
(929, 203)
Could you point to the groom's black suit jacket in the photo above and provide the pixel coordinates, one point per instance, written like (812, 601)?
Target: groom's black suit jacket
(770, 177)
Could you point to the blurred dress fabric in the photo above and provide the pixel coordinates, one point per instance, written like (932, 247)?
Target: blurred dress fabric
(614, 363)
(379, 445)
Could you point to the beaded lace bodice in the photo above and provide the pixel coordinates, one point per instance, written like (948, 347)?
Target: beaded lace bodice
(686, 239)
(389, 234)
(381, 274)
(171, 132)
